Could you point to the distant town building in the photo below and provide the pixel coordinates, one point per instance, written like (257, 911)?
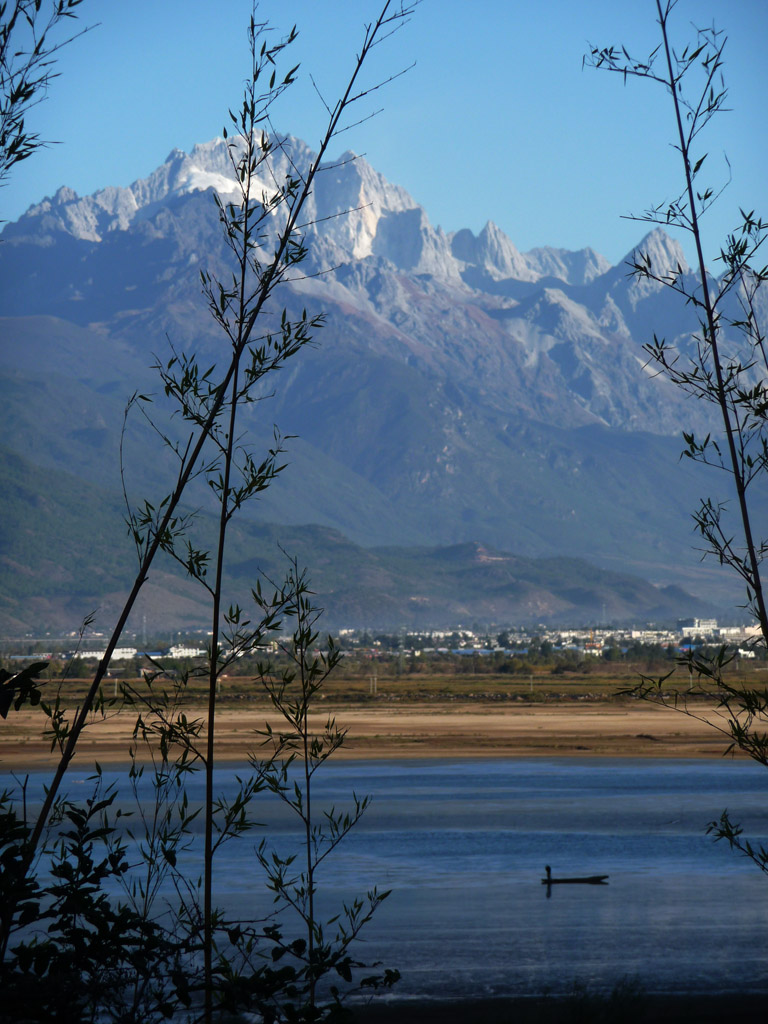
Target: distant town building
(183, 651)
(698, 627)
(119, 654)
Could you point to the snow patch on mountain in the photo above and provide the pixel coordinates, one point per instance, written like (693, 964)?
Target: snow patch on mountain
(348, 202)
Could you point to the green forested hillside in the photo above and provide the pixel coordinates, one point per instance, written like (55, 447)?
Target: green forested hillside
(65, 552)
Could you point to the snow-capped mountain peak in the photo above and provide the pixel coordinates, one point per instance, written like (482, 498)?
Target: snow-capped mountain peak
(353, 212)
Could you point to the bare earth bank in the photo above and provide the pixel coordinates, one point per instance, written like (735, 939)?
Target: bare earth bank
(475, 730)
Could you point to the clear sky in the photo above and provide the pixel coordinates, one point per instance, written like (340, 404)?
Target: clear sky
(497, 120)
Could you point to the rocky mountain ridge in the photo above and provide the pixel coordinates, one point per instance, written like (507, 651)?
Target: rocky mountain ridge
(462, 391)
(567, 315)
(353, 208)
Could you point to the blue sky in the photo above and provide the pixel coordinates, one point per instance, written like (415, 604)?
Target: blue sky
(497, 121)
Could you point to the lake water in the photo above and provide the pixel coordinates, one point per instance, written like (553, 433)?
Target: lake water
(463, 845)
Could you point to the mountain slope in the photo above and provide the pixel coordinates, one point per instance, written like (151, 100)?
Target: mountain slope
(64, 555)
(461, 392)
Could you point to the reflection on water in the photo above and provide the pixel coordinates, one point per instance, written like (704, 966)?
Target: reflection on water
(463, 845)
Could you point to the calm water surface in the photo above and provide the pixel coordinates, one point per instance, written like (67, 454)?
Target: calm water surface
(463, 844)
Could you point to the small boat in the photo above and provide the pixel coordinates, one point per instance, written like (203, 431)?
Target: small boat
(584, 880)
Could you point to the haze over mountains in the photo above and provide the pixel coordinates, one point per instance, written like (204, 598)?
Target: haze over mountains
(463, 395)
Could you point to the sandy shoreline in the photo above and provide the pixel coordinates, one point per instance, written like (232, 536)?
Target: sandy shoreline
(476, 730)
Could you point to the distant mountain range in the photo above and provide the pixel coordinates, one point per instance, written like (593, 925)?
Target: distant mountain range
(469, 409)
